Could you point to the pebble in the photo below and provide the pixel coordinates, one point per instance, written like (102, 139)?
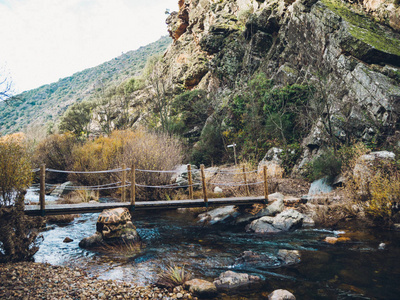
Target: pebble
(28, 280)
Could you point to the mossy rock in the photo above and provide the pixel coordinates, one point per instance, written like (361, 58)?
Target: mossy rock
(366, 39)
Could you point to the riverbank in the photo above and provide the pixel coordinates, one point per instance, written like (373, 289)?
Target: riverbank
(29, 280)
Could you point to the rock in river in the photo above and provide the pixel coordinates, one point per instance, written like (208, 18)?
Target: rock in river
(114, 226)
(230, 280)
(287, 220)
(201, 288)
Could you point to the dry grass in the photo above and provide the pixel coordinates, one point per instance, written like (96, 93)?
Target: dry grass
(125, 249)
(61, 219)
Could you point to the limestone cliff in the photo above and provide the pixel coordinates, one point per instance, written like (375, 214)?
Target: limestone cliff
(353, 45)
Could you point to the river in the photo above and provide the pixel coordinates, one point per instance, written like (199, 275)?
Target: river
(353, 270)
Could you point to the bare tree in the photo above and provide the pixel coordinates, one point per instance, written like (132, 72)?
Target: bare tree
(6, 88)
(161, 98)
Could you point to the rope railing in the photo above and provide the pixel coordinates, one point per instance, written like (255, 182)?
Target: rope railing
(235, 184)
(157, 171)
(167, 186)
(88, 172)
(124, 183)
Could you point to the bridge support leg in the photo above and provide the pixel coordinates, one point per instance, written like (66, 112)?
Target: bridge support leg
(133, 185)
(190, 181)
(265, 185)
(203, 181)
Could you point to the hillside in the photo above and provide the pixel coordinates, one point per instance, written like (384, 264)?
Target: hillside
(48, 102)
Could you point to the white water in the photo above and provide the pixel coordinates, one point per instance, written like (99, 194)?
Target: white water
(32, 195)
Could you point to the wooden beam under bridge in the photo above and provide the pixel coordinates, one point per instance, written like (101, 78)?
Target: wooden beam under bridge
(80, 208)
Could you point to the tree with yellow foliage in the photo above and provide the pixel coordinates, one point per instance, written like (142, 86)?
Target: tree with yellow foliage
(15, 167)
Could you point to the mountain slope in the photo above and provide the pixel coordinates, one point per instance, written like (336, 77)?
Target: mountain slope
(50, 101)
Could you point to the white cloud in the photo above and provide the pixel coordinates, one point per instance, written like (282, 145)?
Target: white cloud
(44, 40)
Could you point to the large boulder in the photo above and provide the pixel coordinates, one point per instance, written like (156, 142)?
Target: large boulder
(201, 288)
(273, 163)
(274, 208)
(287, 220)
(365, 168)
(61, 189)
(181, 175)
(230, 280)
(114, 226)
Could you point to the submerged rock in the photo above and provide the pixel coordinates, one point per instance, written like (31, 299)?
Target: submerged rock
(250, 258)
(289, 257)
(230, 280)
(114, 226)
(283, 258)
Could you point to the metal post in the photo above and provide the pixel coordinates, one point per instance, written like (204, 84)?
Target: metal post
(123, 196)
(42, 195)
(245, 181)
(133, 186)
(265, 184)
(203, 181)
(189, 170)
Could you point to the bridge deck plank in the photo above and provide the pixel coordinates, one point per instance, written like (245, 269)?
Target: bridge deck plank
(63, 209)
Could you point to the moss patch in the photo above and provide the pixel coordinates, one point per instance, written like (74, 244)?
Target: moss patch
(365, 29)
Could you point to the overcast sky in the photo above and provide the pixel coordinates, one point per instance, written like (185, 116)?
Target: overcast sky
(42, 41)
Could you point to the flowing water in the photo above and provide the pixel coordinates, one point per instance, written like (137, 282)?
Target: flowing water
(352, 270)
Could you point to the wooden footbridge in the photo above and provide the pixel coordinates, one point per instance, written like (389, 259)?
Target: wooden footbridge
(43, 209)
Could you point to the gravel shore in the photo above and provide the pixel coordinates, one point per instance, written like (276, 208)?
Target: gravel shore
(28, 280)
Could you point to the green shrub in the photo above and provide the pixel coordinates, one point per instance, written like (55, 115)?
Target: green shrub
(328, 164)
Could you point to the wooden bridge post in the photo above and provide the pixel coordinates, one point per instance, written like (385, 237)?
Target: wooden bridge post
(133, 186)
(203, 181)
(190, 181)
(245, 181)
(123, 196)
(42, 195)
(265, 184)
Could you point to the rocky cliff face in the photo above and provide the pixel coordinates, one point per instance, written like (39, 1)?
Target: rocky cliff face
(348, 49)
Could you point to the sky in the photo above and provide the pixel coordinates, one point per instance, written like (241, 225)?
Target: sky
(42, 41)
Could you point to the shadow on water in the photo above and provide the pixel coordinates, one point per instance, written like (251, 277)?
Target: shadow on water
(352, 270)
